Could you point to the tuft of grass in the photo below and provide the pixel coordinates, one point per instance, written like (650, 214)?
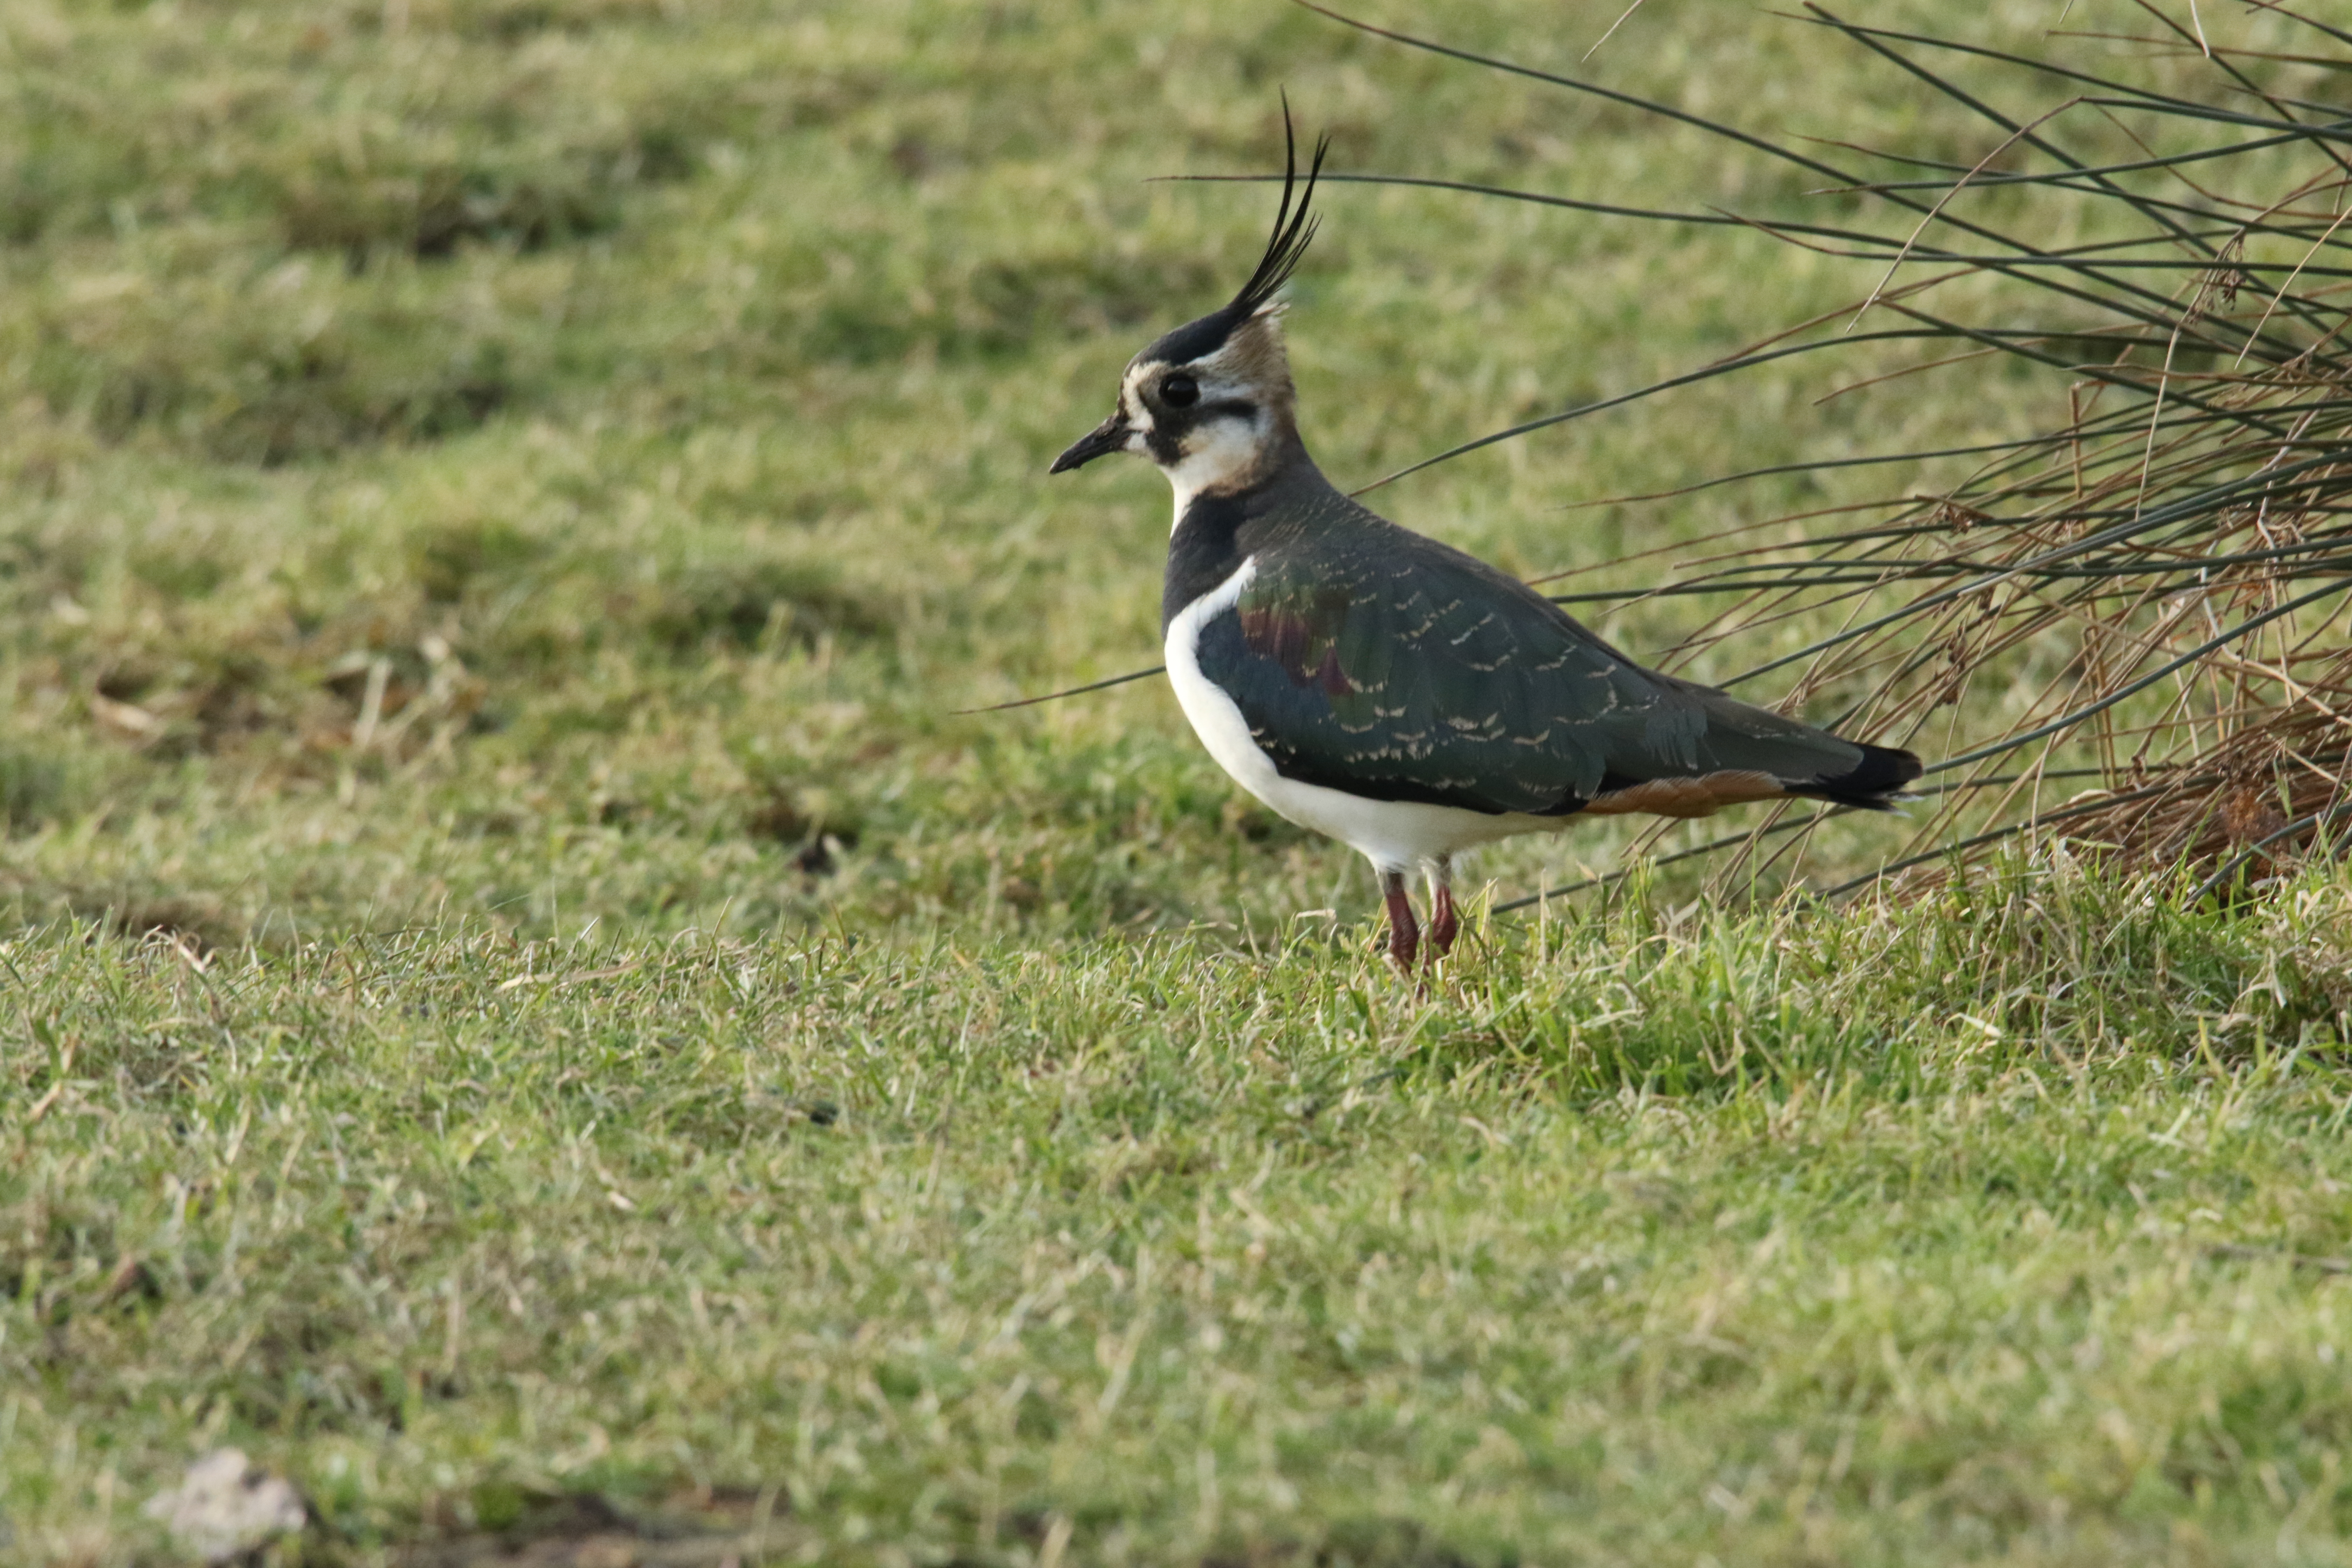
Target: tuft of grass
(2134, 582)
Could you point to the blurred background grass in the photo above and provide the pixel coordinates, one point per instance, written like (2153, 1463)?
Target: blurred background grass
(565, 459)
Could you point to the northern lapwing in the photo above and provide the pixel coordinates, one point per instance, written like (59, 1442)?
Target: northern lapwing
(1389, 691)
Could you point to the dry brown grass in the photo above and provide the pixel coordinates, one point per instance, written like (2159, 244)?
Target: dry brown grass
(2125, 630)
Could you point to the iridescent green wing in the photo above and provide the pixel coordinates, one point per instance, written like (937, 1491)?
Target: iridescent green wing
(1404, 679)
(1421, 674)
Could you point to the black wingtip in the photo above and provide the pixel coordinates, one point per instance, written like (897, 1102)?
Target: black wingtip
(1294, 230)
(1876, 783)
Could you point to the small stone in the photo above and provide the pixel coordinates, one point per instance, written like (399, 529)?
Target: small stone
(225, 1506)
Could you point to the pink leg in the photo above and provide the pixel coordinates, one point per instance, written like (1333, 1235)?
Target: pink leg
(1404, 931)
(1443, 925)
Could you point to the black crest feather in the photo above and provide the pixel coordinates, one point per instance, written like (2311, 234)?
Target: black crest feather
(1294, 231)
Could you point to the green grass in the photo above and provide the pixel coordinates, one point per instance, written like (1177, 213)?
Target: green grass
(520, 988)
(1778, 1238)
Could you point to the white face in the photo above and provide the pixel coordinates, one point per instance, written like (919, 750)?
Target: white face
(1216, 455)
(1210, 438)
(1207, 421)
(1132, 407)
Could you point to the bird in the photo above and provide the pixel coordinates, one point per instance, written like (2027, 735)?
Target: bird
(1379, 687)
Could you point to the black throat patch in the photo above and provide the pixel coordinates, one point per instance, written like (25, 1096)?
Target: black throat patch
(1204, 551)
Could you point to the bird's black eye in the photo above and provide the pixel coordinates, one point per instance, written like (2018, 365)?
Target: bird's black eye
(1180, 392)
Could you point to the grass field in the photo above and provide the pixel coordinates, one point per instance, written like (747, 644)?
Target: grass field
(531, 1016)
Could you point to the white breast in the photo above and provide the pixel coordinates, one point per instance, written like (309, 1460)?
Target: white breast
(1395, 836)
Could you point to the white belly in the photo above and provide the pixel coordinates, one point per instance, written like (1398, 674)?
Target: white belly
(1394, 835)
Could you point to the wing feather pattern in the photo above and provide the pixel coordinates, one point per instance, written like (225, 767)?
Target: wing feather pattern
(1406, 670)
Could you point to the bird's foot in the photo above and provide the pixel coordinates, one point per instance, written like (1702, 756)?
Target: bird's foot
(1443, 926)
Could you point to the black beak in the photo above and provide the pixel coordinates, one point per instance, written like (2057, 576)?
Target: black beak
(1110, 436)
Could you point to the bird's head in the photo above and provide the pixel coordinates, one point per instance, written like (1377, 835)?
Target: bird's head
(1210, 403)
